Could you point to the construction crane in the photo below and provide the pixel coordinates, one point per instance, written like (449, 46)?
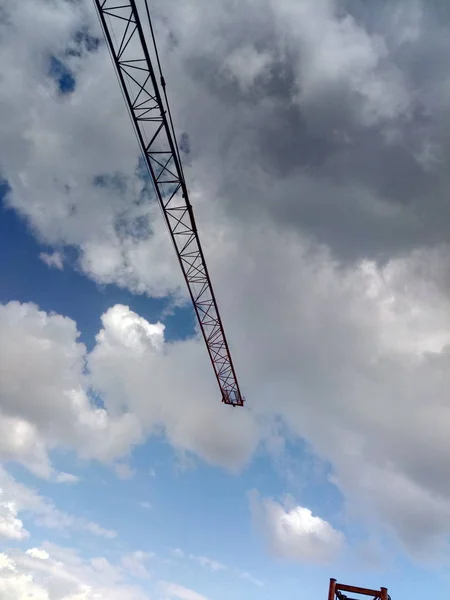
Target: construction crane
(143, 87)
(335, 592)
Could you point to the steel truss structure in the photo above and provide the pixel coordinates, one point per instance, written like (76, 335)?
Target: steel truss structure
(138, 70)
(336, 592)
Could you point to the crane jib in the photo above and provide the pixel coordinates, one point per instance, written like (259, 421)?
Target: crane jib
(136, 63)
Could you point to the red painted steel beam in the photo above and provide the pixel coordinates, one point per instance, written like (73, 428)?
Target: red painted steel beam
(332, 590)
(336, 589)
(357, 590)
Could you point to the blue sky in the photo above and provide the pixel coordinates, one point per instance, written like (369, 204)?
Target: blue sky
(122, 475)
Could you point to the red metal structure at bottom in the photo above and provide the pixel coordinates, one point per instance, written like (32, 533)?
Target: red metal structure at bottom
(337, 592)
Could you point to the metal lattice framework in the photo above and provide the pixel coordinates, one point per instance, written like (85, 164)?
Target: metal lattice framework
(136, 63)
(336, 592)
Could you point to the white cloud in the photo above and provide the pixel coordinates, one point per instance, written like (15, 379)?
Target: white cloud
(140, 362)
(215, 566)
(204, 561)
(293, 532)
(174, 590)
(10, 526)
(134, 564)
(67, 478)
(145, 505)
(57, 128)
(347, 399)
(54, 573)
(17, 498)
(21, 441)
(123, 328)
(38, 553)
(247, 577)
(43, 396)
(95, 529)
(53, 259)
(125, 241)
(142, 380)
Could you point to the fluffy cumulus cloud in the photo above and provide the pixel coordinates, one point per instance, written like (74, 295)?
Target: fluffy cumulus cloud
(54, 573)
(47, 392)
(364, 377)
(317, 161)
(43, 394)
(131, 348)
(293, 532)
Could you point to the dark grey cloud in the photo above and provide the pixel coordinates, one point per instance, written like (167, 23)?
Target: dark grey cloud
(341, 136)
